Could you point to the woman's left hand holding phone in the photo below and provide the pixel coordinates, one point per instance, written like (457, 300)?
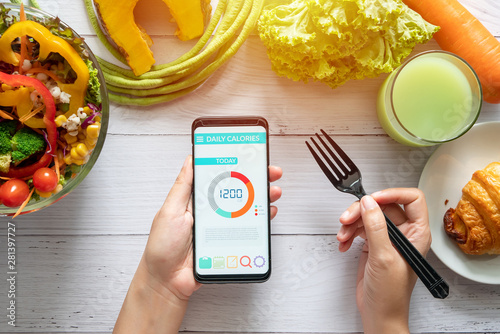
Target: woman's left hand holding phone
(157, 298)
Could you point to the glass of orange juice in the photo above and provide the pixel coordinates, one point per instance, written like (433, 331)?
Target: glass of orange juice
(432, 98)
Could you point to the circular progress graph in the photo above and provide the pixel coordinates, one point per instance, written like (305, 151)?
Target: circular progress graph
(213, 203)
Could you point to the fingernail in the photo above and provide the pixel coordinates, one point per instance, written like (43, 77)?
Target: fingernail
(368, 203)
(187, 161)
(344, 215)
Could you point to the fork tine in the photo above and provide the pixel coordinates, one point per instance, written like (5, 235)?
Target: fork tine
(331, 176)
(334, 156)
(334, 169)
(340, 151)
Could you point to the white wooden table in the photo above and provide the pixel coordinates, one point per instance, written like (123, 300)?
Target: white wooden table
(77, 257)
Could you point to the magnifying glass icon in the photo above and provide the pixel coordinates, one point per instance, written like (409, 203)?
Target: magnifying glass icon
(246, 263)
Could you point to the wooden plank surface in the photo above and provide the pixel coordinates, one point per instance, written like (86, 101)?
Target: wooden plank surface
(77, 283)
(76, 258)
(134, 173)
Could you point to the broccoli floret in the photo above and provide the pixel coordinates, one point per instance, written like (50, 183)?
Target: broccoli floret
(7, 129)
(25, 143)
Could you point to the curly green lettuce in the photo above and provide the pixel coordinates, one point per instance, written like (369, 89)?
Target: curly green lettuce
(333, 41)
(94, 89)
(6, 20)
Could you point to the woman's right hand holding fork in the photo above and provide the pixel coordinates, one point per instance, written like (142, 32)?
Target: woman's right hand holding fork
(385, 280)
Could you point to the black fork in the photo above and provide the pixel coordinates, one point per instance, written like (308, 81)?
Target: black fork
(346, 177)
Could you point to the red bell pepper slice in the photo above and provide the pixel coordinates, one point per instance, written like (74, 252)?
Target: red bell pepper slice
(15, 80)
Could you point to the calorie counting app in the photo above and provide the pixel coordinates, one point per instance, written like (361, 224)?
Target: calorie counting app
(231, 200)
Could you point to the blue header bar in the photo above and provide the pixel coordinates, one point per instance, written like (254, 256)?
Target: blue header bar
(216, 161)
(230, 138)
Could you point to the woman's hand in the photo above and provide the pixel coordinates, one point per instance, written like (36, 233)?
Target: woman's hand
(164, 281)
(168, 257)
(385, 281)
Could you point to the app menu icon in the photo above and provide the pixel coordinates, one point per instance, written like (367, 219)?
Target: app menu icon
(231, 262)
(219, 262)
(205, 262)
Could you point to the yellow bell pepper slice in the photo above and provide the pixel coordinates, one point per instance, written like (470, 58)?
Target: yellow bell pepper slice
(49, 43)
(20, 98)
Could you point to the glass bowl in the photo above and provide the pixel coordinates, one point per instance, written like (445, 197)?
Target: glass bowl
(72, 183)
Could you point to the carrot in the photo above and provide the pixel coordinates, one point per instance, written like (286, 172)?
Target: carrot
(56, 166)
(461, 33)
(20, 210)
(50, 74)
(5, 115)
(24, 41)
(22, 14)
(31, 114)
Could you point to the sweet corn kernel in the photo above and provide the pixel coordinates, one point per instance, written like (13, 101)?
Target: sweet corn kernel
(97, 119)
(58, 189)
(68, 160)
(78, 161)
(69, 138)
(60, 120)
(87, 110)
(43, 194)
(82, 150)
(81, 136)
(74, 154)
(90, 147)
(90, 142)
(93, 130)
(6, 87)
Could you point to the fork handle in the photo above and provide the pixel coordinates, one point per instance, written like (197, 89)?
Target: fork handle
(431, 279)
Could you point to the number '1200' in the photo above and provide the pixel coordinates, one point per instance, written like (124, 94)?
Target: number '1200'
(231, 193)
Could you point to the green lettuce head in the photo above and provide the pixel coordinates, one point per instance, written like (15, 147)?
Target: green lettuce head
(336, 40)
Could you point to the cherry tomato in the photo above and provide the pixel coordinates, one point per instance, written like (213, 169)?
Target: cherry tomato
(14, 192)
(45, 179)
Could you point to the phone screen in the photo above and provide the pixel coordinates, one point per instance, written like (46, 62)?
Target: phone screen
(231, 206)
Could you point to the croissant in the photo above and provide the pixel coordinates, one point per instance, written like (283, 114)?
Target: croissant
(475, 223)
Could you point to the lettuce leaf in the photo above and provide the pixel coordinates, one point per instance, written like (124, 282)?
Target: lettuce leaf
(333, 41)
(94, 88)
(6, 20)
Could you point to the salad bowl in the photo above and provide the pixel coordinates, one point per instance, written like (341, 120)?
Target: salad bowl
(72, 172)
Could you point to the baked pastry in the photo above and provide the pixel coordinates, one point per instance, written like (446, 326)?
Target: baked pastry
(475, 223)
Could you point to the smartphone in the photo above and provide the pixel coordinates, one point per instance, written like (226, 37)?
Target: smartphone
(231, 237)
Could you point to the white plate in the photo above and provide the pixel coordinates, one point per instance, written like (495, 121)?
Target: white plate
(449, 168)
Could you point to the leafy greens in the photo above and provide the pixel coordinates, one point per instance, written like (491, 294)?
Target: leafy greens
(333, 41)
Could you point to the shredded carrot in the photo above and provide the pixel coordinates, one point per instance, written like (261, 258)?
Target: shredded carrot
(5, 178)
(22, 14)
(38, 64)
(31, 114)
(24, 41)
(5, 115)
(56, 165)
(20, 210)
(50, 74)
(60, 143)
